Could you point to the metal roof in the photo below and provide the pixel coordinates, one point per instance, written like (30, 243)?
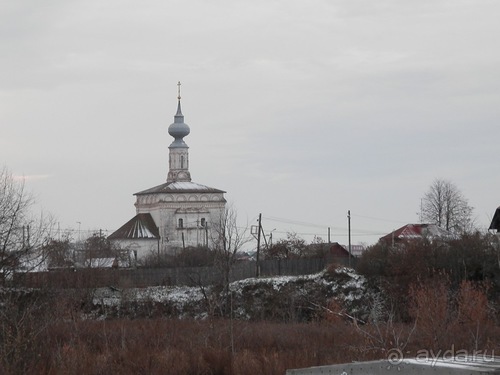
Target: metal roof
(141, 226)
(180, 187)
(414, 231)
(178, 129)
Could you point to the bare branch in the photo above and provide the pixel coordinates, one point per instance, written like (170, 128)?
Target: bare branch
(21, 235)
(445, 206)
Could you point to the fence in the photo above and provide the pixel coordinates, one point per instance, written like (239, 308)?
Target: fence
(142, 277)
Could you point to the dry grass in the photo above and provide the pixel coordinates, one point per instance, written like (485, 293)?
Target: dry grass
(43, 334)
(159, 346)
(173, 346)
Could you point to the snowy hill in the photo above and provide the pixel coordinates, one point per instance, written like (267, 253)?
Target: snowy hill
(285, 298)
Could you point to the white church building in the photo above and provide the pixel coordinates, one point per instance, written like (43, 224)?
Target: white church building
(176, 214)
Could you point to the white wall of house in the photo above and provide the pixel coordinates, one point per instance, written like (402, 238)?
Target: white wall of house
(138, 248)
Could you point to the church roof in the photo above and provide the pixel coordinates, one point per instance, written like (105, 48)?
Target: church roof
(180, 187)
(141, 226)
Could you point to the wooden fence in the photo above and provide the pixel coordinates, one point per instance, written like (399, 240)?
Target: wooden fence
(142, 277)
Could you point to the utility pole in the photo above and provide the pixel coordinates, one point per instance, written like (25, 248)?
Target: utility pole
(271, 238)
(257, 271)
(329, 240)
(79, 231)
(349, 232)
(264, 237)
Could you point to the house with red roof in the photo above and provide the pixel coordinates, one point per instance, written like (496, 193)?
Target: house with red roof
(410, 232)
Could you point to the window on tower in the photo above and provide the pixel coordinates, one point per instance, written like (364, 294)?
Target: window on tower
(181, 223)
(203, 222)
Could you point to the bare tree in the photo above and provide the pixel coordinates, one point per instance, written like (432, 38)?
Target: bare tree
(227, 238)
(293, 247)
(21, 235)
(100, 252)
(445, 206)
(59, 253)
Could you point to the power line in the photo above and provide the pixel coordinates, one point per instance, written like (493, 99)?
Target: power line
(380, 219)
(357, 231)
(296, 222)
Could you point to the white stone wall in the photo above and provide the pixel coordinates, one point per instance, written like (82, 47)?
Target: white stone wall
(178, 161)
(138, 248)
(192, 208)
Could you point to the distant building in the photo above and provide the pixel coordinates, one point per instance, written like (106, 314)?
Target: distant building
(177, 213)
(338, 250)
(495, 222)
(416, 231)
(356, 250)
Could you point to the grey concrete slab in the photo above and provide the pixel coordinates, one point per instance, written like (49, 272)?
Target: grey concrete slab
(415, 366)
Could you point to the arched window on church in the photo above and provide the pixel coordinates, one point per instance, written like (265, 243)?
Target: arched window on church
(181, 223)
(203, 222)
(182, 161)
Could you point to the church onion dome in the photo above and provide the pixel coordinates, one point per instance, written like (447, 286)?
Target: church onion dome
(179, 129)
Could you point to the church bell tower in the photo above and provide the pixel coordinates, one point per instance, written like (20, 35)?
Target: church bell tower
(178, 164)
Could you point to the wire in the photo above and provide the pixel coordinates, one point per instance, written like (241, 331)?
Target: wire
(296, 222)
(356, 233)
(379, 219)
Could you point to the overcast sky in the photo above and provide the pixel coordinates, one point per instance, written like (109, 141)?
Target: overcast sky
(300, 110)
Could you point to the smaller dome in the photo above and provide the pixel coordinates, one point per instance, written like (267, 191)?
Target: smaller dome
(178, 129)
